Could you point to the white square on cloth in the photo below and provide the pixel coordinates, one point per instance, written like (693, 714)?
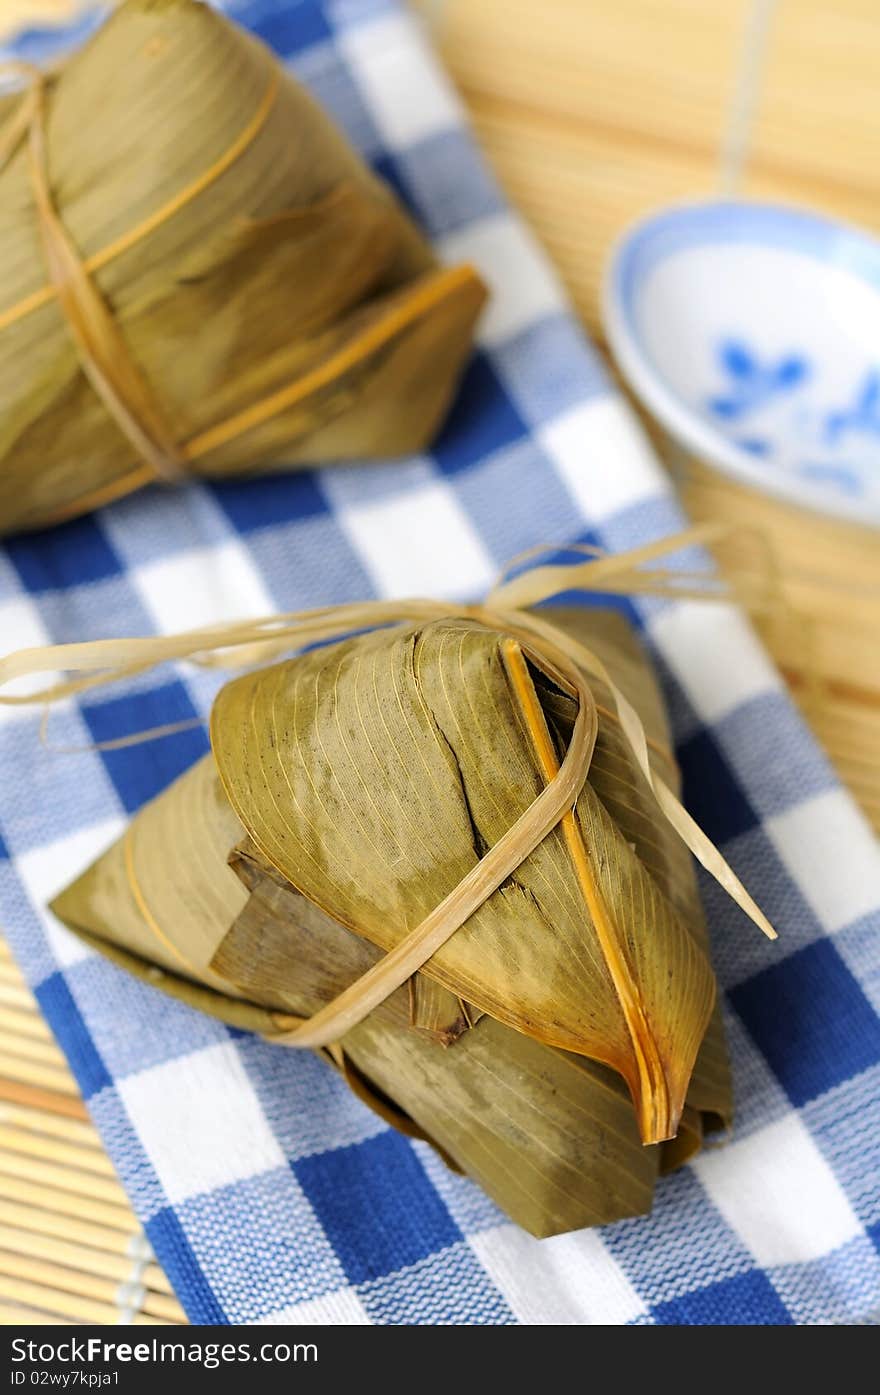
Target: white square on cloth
(841, 885)
(205, 586)
(21, 627)
(341, 1308)
(194, 1143)
(567, 1280)
(522, 286)
(589, 446)
(687, 636)
(407, 95)
(46, 870)
(420, 544)
(778, 1194)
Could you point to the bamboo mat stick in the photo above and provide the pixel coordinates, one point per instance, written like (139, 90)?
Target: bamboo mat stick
(29, 1024)
(92, 1160)
(116, 1268)
(50, 1222)
(8, 968)
(28, 1048)
(67, 1203)
(83, 1285)
(56, 1078)
(59, 1302)
(15, 995)
(37, 1120)
(52, 1102)
(103, 1189)
(11, 1315)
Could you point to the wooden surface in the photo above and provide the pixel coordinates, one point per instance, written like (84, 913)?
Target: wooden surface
(70, 1247)
(592, 114)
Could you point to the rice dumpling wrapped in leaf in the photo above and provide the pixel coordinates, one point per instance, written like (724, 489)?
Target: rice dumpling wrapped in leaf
(569, 1021)
(198, 276)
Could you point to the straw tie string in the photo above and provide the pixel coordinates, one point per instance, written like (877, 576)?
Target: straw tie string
(508, 609)
(101, 348)
(102, 351)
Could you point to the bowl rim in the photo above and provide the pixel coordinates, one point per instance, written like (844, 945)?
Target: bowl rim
(818, 234)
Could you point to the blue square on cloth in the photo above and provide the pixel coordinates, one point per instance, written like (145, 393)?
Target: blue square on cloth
(4, 851)
(168, 1238)
(811, 1019)
(744, 1301)
(445, 1289)
(548, 370)
(845, 1124)
(482, 420)
(155, 523)
(321, 567)
(139, 773)
(516, 473)
(712, 794)
(168, 1028)
(279, 499)
(74, 1038)
(683, 1244)
(277, 1235)
(387, 168)
(446, 183)
(772, 753)
(377, 1206)
(738, 952)
(307, 1104)
(70, 555)
(857, 945)
(830, 1290)
(132, 1164)
(287, 29)
(332, 84)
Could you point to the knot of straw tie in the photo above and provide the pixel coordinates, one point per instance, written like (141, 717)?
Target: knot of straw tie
(100, 346)
(507, 609)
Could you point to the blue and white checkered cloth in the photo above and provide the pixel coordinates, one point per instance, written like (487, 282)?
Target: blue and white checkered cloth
(268, 1192)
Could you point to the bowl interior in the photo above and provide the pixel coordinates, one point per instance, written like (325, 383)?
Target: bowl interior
(765, 328)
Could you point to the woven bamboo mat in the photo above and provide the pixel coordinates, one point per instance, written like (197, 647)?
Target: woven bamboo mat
(591, 114)
(70, 1247)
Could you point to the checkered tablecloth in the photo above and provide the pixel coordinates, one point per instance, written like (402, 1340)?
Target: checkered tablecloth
(268, 1192)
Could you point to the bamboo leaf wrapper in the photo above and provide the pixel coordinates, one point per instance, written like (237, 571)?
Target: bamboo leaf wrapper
(199, 277)
(570, 1020)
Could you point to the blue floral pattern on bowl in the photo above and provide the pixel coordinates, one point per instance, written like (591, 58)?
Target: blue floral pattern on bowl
(751, 385)
(752, 332)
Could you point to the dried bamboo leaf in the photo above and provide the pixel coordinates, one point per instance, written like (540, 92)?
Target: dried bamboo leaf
(163, 890)
(271, 294)
(437, 1012)
(283, 951)
(478, 1100)
(359, 783)
(622, 788)
(374, 774)
(549, 1136)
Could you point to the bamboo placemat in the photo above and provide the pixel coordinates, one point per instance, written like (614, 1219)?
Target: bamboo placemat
(71, 1249)
(591, 114)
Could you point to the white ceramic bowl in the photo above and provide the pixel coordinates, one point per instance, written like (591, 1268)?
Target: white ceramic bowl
(752, 333)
